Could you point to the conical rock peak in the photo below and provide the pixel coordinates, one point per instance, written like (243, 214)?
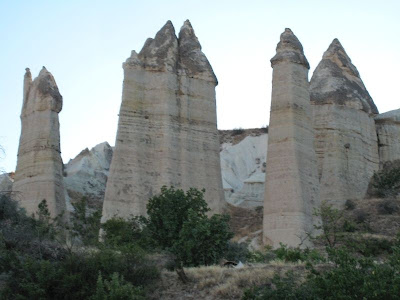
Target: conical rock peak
(337, 80)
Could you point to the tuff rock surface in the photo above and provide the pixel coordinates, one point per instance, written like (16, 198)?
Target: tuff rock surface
(167, 133)
(39, 172)
(388, 130)
(6, 182)
(345, 137)
(243, 171)
(86, 175)
(291, 186)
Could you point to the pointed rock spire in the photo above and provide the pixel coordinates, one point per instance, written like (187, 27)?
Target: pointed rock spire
(192, 60)
(337, 80)
(27, 85)
(161, 52)
(289, 49)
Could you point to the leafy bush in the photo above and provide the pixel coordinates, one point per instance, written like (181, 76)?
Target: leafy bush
(350, 204)
(388, 206)
(178, 223)
(237, 252)
(386, 182)
(119, 232)
(237, 131)
(349, 277)
(35, 265)
(117, 289)
(84, 226)
(296, 254)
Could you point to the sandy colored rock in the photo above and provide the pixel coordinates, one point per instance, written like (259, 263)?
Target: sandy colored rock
(291, 187)
(6, 183)
(39, 173)
(167, 133)
(243, 171)
(345, 137)
(388, 130)
(86, 175)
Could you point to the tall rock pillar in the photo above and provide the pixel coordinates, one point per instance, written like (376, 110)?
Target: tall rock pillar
(167, 129)
(345, 136)
(291, 187)
(39, 174)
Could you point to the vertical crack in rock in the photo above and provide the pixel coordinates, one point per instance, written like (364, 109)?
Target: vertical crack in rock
(38, 174)
(291, 187)
(167, 133)
(343, 117)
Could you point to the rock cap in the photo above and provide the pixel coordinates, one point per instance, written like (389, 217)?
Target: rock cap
(289, 49)
(337, 80)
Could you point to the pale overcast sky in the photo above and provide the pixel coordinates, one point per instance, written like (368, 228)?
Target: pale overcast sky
(83, 44)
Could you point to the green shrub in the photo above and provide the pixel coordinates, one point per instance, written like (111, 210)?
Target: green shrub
(178, 223)
(237, 131)
(347, 277)
(202, 240)
(386, 182)
(237, 252)
(116, 289)
(85, 226)
(121, 232)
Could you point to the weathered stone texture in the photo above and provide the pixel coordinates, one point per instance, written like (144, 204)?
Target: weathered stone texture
(243, 171)
(345, 141)
(86, 175)
(388, 130)
(167, 133)
(39, 173)
(292, 187)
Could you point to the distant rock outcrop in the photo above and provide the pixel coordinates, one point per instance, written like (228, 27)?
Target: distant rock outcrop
(291, 186)
(346, 140)
(86, 175)
(167, 133)
(388, 130)
(39, 174)
(243, 171)
(6, 183)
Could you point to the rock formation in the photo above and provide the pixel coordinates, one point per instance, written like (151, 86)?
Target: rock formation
(6, 183)
(39, 173)
(86, 175)
(243, 171)
(388, 130)
(291, 186)
(343, 115)
(167, 133)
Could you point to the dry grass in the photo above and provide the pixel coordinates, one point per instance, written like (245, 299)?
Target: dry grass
(216, 282)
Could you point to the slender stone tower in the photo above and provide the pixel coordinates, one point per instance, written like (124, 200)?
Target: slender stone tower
(291, 187)
(167, 130)
(345, 136)
(39, 167)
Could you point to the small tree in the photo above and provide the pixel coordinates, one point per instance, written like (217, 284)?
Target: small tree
(178, 223)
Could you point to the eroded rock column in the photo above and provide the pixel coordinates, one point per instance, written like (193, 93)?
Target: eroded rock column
(343, 114)
(39, 175)
(167, 132)
(291, 188)
(388, 130)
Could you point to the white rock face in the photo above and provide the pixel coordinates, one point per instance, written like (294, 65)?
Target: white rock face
(388, 130)
(243, 171)
(167, 133)
(292, 186)
(6, 183)
(39, 174)
(346, 140)
(86, 175)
